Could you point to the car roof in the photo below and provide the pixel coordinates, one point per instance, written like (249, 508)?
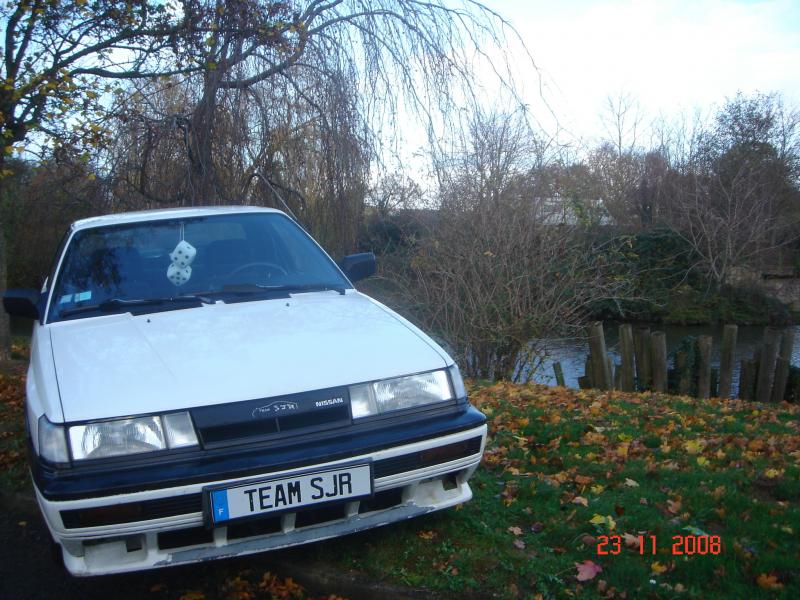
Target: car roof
(167, 213)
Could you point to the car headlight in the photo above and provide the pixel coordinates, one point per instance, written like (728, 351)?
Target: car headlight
(368, 399)
(131, 436)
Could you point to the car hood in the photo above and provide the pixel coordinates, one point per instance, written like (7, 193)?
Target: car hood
(120, 365)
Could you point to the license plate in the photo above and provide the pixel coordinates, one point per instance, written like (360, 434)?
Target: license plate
(290, 493)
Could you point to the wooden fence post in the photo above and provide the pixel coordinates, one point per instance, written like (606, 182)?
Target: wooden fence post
(641, 348)
(559, 374)
(766, 368)
(626, 352)
(704, 366)
(659, 360)
(747, 377)
(601, 374)
(782, 365)
(729, 334)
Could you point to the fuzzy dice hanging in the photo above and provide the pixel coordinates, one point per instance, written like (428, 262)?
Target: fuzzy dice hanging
(179, 270)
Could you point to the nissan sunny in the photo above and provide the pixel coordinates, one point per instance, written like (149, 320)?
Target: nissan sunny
(207, 383)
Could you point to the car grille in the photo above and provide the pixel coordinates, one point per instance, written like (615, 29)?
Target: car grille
(193, 503)
(215, 436)
(241, 422)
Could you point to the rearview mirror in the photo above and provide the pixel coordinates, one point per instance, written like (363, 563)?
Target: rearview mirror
(358, 266)
(21, 302)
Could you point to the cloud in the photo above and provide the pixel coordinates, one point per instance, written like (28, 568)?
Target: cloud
(671, 55)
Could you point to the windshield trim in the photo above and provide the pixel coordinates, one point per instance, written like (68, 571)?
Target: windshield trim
(50, 317)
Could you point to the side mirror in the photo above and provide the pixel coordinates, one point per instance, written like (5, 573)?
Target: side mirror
(22, 303)
(358, 266)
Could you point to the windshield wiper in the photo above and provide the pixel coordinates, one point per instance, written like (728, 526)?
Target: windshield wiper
(304, 287)
(117, 303)
(249, 289)
(310, 287)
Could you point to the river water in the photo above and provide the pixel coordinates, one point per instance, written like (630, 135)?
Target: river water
(572, 353)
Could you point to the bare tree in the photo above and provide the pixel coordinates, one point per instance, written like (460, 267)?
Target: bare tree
(498, 268)
(348, 69)
(739, 199)
(395, 191)
(622, 120)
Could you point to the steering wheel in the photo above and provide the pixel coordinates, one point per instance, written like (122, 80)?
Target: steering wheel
(254, 265)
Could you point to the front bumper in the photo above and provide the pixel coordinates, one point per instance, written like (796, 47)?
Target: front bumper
(160, 541)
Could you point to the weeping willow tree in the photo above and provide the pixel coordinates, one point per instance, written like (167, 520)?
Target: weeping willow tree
(184, 82)
(293, 104)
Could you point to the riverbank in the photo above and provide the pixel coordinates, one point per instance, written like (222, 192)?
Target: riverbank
(691, 305)
(563, 469)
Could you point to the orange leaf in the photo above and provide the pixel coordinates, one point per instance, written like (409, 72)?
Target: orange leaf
(769, 582)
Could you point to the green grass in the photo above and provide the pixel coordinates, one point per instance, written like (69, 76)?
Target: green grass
(656, 465)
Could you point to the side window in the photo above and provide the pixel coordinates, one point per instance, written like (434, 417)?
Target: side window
(297, 254)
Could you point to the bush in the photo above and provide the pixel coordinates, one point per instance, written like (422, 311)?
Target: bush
(38, 204)
(491, 278)
(742, 305)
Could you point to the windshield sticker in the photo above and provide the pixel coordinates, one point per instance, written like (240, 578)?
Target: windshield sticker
(179, 270)
(80, 297)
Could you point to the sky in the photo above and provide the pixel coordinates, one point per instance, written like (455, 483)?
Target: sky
(669, 55)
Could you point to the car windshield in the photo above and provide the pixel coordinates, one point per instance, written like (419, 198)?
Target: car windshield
(154, 265)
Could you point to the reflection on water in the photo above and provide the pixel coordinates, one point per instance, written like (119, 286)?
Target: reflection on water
(572, 353)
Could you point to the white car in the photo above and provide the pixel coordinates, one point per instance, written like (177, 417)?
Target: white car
(207, 383)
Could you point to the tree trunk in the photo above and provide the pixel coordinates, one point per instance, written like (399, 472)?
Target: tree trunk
(202, 183)
(5, 324)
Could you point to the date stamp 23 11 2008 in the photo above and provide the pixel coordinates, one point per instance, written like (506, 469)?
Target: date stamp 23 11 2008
(682, 545)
